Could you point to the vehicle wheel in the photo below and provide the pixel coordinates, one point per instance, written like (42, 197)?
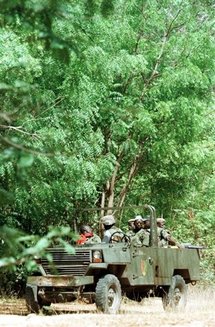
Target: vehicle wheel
(175, 298)
(32, 303)
(44, 303)
(108, 294)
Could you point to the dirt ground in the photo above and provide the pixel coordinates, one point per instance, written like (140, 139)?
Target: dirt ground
(200, 312)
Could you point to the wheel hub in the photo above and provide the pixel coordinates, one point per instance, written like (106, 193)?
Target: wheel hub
(177, 295)
(111, 296)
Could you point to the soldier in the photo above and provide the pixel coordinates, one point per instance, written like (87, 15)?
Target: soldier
(140, 235)
(131, 227)
(87, 236)
(131, 224)
(137, 224)
(110, 229)
(141, 238)
(164, 236)
(161, 222)
(146, 223)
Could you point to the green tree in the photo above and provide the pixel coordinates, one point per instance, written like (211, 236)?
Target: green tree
(105, 103)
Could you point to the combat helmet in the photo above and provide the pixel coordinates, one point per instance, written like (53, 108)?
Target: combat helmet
(161, 220)
(108, 220)
(138, 218)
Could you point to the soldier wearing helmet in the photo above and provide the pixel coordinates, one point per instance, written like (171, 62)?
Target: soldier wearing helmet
(161, 222)
(146, 223)
(137, 224)
(87, 236)
(131, 224)
(163, 234)
(165, 238)
(110, 229)
(139, 235)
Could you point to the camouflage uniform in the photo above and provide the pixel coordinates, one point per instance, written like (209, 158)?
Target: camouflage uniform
(93, 239)
(165, 239)
(110, 229)
(141, 238)
(131, 226)
(137, 225)
(130, 233)
(163, 236)
(87, 236)
(109, 232)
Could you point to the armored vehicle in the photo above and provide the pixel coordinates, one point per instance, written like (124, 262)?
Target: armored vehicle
(101, 273)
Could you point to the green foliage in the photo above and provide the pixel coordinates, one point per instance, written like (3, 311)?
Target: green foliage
(19, 248)
(196, 227)
(19, 252)
(89, 88)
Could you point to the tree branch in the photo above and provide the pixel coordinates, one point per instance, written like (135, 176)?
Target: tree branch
(131, 174)
(111, 186)
(18, 129)
(165, 38)
(21, 147)
(108, 194)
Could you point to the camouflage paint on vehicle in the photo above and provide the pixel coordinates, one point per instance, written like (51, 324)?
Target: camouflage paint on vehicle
(100, 272)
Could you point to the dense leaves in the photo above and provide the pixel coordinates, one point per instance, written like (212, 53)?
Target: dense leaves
(107, 103)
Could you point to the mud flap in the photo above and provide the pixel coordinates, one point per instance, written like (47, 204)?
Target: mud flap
(31, 298)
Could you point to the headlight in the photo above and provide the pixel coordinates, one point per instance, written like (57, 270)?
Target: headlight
(37, 260)
(97, 256)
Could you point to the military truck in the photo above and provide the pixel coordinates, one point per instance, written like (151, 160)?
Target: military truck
(102, 273)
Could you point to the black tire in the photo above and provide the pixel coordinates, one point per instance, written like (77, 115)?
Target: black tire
(175, 299)
(32, 304)
(44, 303)
(108, 294)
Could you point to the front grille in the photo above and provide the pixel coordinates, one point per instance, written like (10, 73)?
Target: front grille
(65, 263)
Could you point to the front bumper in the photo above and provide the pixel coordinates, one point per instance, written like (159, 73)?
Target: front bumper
(60, 281)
